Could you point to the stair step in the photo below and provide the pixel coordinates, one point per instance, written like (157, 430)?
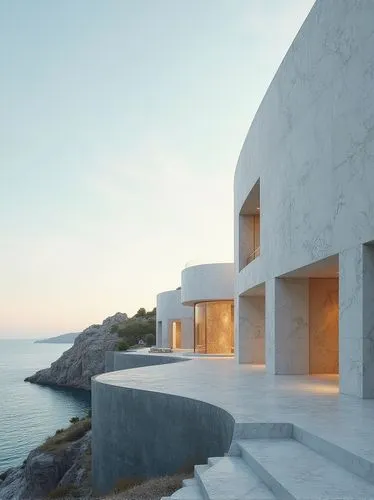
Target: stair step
(200, 469)
(188, 493)
(213, 460)
(294, 471)
(231, 479)
(189, 482)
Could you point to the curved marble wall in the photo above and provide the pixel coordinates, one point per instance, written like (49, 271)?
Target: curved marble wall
(307, 162)
(207, 282)
(170, 309)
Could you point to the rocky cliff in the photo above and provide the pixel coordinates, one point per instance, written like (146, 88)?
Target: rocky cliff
(84, 359)
(61, 465)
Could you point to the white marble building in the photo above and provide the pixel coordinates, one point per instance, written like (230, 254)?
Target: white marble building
(174, 322)
(200, 314)
(304, 207)
(209, 290)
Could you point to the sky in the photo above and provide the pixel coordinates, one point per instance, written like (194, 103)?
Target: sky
(121, 122)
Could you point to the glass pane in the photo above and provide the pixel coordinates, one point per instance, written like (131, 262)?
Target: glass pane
(214, 327)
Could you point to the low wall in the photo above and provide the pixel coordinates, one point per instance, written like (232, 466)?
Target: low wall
(142, 434)
(115, 360)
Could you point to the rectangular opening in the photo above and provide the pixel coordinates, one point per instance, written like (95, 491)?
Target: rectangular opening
(176, 334)
(250, 227)
(214, 327)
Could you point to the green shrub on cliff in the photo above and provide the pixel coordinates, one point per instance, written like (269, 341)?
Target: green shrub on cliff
(141, 313)
(137, 328)
(66, 436)
(123, 345)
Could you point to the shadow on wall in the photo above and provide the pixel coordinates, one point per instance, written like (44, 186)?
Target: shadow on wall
(142, 434)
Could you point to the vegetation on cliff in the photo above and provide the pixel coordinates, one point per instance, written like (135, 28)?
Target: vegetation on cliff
(61, 468)
(58, 468)
(140, 328)
(86, 357)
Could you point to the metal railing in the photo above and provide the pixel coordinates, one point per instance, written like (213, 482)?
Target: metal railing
(253, 255)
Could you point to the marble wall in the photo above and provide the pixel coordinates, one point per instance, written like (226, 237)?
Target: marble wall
(251, 344)
(311, 144)
(169, 309)
(287, 326)
(324, 325)
(356, 321)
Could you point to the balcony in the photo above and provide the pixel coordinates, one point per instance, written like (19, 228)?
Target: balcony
(249, 227)
(253, 255)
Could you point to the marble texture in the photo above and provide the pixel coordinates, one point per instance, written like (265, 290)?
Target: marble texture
(169, 309)
(356, 321)
(324, 325)
(207, 282)
(229, 478)
(311, 144)
(251, 344)
(294, 471)
(287, 327)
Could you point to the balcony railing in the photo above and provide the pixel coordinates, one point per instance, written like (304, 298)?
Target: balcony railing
(253, 255)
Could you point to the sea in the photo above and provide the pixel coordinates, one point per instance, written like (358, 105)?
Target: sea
(30, 413)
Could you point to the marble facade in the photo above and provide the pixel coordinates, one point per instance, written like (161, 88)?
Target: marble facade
(310, 149)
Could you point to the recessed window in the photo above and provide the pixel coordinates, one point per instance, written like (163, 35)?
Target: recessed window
(214, 327)
(250, 227)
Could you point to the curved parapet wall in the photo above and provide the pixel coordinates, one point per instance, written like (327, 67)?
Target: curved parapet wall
(311, 146)
(170, 309)
(115, 361)
(139, 434)
(207, 282)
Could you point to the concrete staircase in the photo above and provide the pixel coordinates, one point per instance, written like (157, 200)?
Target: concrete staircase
(298, 467)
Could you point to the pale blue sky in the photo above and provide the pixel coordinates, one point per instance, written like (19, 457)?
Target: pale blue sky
(121, 122)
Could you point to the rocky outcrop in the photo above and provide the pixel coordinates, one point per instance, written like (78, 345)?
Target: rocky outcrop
(84, 359)
(66, 469)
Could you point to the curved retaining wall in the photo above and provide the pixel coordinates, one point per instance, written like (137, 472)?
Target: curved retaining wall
(141, 434)
(115, 361)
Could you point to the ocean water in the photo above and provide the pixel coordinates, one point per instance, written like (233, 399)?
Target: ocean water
(30, 413)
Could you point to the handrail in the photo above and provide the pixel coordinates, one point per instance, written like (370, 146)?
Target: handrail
(253, 255)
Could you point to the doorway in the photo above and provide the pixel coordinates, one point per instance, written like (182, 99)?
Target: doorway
(176, 332)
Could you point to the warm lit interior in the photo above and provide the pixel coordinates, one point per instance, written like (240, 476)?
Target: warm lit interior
(254, 250)
(176, 335)
(324, 325)
(214, 327)
(249, 227)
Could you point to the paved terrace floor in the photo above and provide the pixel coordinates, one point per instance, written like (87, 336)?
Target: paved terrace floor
(250, 395)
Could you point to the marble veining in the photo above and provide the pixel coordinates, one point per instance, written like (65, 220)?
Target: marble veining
(311, 149)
